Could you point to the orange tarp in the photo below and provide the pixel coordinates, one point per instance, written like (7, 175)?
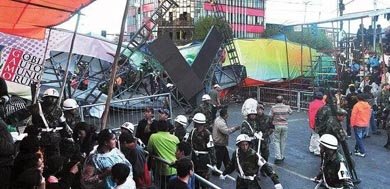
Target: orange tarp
(29, 18)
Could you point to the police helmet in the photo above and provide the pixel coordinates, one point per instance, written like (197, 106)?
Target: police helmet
(182, 120)
(252, 111)
(329, 141)
(51, 92)
(206, 97)
(242, 138)
(70, 104)
(199, 118)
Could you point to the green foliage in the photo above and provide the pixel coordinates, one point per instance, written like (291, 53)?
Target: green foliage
(204, 24)
(314, 38)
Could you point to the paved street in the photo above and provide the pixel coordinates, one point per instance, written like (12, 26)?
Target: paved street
(300, 165)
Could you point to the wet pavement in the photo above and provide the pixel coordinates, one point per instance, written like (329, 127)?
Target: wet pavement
(300, 165)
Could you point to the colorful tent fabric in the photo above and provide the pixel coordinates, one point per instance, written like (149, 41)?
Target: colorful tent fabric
(266, 60)
(29, 18)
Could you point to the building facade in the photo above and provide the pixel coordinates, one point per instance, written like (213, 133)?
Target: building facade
(246, 17)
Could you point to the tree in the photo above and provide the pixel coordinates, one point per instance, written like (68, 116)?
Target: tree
(312, 36)
(204, 24)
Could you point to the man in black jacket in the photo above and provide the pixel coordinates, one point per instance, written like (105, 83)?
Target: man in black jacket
(146, 126)
(7, 151)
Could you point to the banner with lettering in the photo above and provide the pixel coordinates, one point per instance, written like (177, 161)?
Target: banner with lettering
(21, 62)
(22, 59)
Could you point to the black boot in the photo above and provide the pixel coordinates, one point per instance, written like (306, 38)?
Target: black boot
(387, 145)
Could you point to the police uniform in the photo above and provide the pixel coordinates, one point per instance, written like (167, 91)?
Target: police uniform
(334, 127)
(323, 114)
(250, 127)
(334, 173)
(385, 99)
(248, 164)
(203, 151)
(267, 128)
(49, 119)
(72, 119)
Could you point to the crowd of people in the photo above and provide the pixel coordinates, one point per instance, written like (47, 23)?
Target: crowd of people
(58, 150)
(361, 104)
(61, 151)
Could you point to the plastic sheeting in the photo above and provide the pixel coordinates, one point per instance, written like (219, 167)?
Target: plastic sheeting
(266, 60)
(30, 18)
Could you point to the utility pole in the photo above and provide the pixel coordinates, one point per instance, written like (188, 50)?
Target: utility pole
(341, 10)
(306, 3)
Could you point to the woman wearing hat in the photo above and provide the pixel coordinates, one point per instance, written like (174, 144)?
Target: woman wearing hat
(97, 167)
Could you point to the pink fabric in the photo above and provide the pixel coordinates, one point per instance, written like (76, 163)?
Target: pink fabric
(314, 106)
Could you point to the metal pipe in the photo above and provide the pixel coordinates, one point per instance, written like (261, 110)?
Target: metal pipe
(220, 172)
(288, 68)
(302, 49)
(201, 179)
(125, 100)
(35, 99)
(69, 60)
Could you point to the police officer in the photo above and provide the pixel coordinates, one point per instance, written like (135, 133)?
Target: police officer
(206, 108)
(180, 125)
(334, 127)
(385, 107)
(333, 172)
(267, 128)
(247, 162)
(203, 147)
(250, 127)
(323, 114)
(71, 112)
(46, 116)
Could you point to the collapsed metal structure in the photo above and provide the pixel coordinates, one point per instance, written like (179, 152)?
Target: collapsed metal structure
(146, 77)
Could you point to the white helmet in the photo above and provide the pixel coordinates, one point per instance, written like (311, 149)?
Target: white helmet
(217, 86)
(70, 104)
(252, 111)
(329, 141)
(128, 126)
(249, 107)
(242, 138)
(199, 118)
(182, 120)
(169, 85)
(51, 92)
(206, 97)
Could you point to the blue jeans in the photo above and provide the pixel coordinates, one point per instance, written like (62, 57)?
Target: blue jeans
(359, 133)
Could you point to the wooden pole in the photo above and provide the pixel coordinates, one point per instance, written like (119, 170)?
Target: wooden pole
(114, 69)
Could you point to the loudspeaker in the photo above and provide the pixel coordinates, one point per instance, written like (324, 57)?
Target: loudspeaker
(207, 53)
(186, 81)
